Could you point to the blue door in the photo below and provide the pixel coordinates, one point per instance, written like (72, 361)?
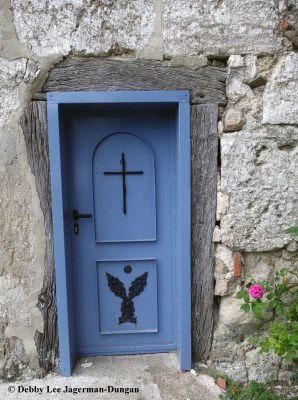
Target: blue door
(123, 228)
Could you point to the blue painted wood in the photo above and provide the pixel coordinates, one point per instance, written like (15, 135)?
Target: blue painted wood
(169, 140)
(121, 235)
(61, 245)
(142, 299)
(113, 224)
(183, 237)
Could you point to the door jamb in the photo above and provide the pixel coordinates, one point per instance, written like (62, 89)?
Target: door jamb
(183, 220)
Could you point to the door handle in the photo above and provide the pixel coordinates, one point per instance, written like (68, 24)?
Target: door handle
(76, 215)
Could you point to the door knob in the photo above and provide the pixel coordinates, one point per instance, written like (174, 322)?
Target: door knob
(76, 215)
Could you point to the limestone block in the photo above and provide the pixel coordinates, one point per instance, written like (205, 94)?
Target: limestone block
(237, 90)
(262, 367)
(177, 61)
(287, 371)
(233, 120)
(224, 280)
(250, 67)
(235, 61)
(261, 266)
(14, 74)
(195, 62)
(233, 317)
(2, 352)
(223, 259)
(292, 36)
(216, 235)
(280, 96)
(225, 285)
(222, 205)
(259, 175)
(60, 26)
(236, 370)
(17, 347)
(249, 29)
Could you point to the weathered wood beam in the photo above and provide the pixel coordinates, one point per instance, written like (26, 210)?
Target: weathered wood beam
(98, 74)
(204, 175)
(34, 125)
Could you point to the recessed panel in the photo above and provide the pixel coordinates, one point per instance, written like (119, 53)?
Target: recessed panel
(124, 189)
(127, 292)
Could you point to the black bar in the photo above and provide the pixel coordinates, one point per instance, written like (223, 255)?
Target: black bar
(76, 215)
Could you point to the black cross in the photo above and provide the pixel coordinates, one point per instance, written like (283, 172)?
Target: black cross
(124, 173)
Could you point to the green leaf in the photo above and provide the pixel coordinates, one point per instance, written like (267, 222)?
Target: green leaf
(246, 297)
(272, 304)
(280, 309)
(245, 307)
(239, 294)
(292, 229)
(270, 296)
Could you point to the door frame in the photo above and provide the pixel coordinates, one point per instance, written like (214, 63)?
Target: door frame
(61, 212)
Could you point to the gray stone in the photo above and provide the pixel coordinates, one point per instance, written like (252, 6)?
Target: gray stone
(222, 205)
(58, 27)
(195, 62)
(154, 48)
(237, 90)
(223, 259)
(280, 96)
(177, 61)
(157, 376)
(233, 120)
(231, 316)
(249, 29)
(292, 36)
(258, 175)
(14, 75)
(235, 370)
(2, 352)
(216, 235)
(235, 61)
(262, 367)
(250, 67)
(17, 347)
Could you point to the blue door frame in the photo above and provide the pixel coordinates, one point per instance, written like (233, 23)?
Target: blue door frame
(61, 210)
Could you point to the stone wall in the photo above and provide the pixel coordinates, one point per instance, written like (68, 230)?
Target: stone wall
(258, 133)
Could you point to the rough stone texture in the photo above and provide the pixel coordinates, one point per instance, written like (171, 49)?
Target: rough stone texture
(256, 192)
(17, 347)
(216, 235)
(262, 367)
(259, 175)
(187, 27)
(231, 350)
(225, 283)
(223, 202)
(154, 47)
(2, 352)
(55, 27)
(10, 47)
(21, 228)
(280, 97)
(233, 120)
(21, 222)
(14, 76)
(195, 62)
(157, 377)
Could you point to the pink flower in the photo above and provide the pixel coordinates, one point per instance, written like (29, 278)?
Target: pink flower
(256, 291)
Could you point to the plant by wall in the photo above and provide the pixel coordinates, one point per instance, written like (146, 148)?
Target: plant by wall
(281, 298)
